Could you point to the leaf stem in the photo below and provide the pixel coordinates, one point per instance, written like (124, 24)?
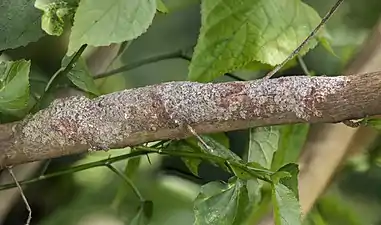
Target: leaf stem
(127, 180)
(27, 205)
(64, 71)
(309, 37)
(303, 66)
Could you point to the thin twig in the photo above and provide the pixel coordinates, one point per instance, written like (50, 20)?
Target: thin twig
(199, 138)
(142, 151)
(158, 58)
(127, 180)
(309, 37)
(303, 66)
(22, 195)
(64, 71)
(166, 56)
(45, 166)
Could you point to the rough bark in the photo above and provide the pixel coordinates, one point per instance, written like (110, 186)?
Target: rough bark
(135, 116)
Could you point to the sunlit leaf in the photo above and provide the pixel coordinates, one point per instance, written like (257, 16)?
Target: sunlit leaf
(286, 206)
(56, 13)
(291, 141)
(234, 33)
(161, 7)
(222, 204)
(19, 23)
(263, 144)
(101, 23)
(14, 86)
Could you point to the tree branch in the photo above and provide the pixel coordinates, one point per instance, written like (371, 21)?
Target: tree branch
(140, 115)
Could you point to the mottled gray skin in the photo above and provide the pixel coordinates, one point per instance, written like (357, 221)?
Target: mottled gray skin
(154, 112)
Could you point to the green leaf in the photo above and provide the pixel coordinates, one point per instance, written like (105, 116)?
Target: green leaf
(144, 214)
(291, 179)
(188, 145)
(55, 15)
(234, 33)
(161, 7)
(101, 23)
(286, 206)
(217, 145)
(324, 41)
(80, 76)
(14, 86)
(262, 145)
(291, 141)
(256, 66)
(19, 23)
(222, 204)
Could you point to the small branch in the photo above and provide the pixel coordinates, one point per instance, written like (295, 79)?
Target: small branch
(309, 37)
(141, 151)
(22, 196)
(68, 67)
(135, 116)
(166, 56)
(128, 181)
(158, 58)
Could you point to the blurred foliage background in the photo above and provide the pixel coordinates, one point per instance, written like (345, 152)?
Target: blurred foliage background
(93, 196)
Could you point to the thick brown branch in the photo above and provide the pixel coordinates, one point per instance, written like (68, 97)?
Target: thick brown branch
(136, 116)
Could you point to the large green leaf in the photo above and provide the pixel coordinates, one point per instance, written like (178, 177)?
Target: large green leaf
(236, 32)
(19, 23)
(222, 204)
(100, 22)
(14, 86)
(286, 206)
(263, 144)
(291, 141)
